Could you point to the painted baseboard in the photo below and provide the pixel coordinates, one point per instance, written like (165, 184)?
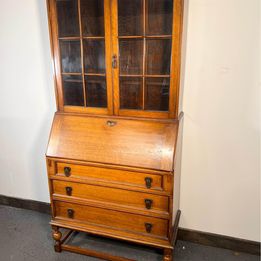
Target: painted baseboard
(203, 238)
(39, 206)
(215, 240)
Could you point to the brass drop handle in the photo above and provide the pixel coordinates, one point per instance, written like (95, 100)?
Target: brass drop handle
(111, 123)
(70, 213)
(114, 61)
(148, 203)
(67, 171)
(68, 191)
(148, 227)
(148, 181)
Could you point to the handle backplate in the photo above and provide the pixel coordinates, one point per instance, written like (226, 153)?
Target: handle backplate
(148, 203)
(67, 171)
(148, 227)
(68, 191)
(70, 213)
(148, 182)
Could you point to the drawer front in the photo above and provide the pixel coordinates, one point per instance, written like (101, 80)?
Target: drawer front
(111, 195)
(143, 180)
(111, 218)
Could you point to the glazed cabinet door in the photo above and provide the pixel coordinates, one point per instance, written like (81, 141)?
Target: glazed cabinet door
(81, 48)
(118, 57)
(146, 40)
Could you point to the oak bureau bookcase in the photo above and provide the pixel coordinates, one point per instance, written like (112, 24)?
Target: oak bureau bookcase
(113, 156)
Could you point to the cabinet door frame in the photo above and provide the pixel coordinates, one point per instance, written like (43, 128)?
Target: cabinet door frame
(55, 51)
(112, 74)
(174, 69)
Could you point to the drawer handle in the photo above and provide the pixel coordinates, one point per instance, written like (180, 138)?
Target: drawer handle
(148, 181)
(148, 227)
(70, 213)
(111, 123)
(68, 191)
(148, 203)
(67, 171)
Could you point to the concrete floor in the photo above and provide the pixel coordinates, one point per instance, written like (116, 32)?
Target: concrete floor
(26, 236)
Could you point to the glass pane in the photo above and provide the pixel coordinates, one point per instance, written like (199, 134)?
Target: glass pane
(131, 52)
(157, 94)
(73, 90)
(159, 17)
(68, 18)
(96, 92)
(71, 56)
(130, 17)
(158, 56)
(130, 93)
(94, 56)
(92, 13)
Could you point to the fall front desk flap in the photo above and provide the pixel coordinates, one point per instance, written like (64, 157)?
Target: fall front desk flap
(134, 143)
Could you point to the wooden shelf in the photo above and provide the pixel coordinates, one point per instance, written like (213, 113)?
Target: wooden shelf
(146, 75)
(69, 38)
(94, 37)
(89, 74)
(66, 73)
(95, 74)
(81, 37)
(145, 36)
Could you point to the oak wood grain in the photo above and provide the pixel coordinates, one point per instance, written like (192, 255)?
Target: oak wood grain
(112, 219)
(110, 233)
(107, 195)
(112, 171)
(109, 175)
(130, 143)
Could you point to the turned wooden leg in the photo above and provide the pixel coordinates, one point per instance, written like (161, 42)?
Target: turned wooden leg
(168, 255)
(57, 235)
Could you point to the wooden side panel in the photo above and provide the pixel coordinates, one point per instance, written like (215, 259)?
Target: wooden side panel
(176, 58)
(53, 30)
(177, 171)
(143, 144)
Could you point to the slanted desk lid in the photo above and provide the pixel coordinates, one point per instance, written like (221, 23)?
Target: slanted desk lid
(135, 143)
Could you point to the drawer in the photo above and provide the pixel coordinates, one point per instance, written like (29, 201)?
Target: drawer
(111, 195)
(110, 218)
(137, 179)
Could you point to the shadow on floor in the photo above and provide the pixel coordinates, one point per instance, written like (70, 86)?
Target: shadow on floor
(26, 236)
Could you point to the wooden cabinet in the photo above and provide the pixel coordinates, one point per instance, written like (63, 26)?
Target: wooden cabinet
(117, 57)
(114, 142)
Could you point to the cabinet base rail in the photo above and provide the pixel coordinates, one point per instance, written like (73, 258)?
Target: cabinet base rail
(60, 245)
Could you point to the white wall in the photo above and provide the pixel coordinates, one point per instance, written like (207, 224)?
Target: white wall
(221, 153)
(26, 98)
(220, 175)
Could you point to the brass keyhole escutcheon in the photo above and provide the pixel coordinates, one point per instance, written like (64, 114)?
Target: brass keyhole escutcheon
(111, 123)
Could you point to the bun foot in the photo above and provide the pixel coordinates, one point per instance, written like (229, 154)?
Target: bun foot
(168, 255)
(57, 235)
